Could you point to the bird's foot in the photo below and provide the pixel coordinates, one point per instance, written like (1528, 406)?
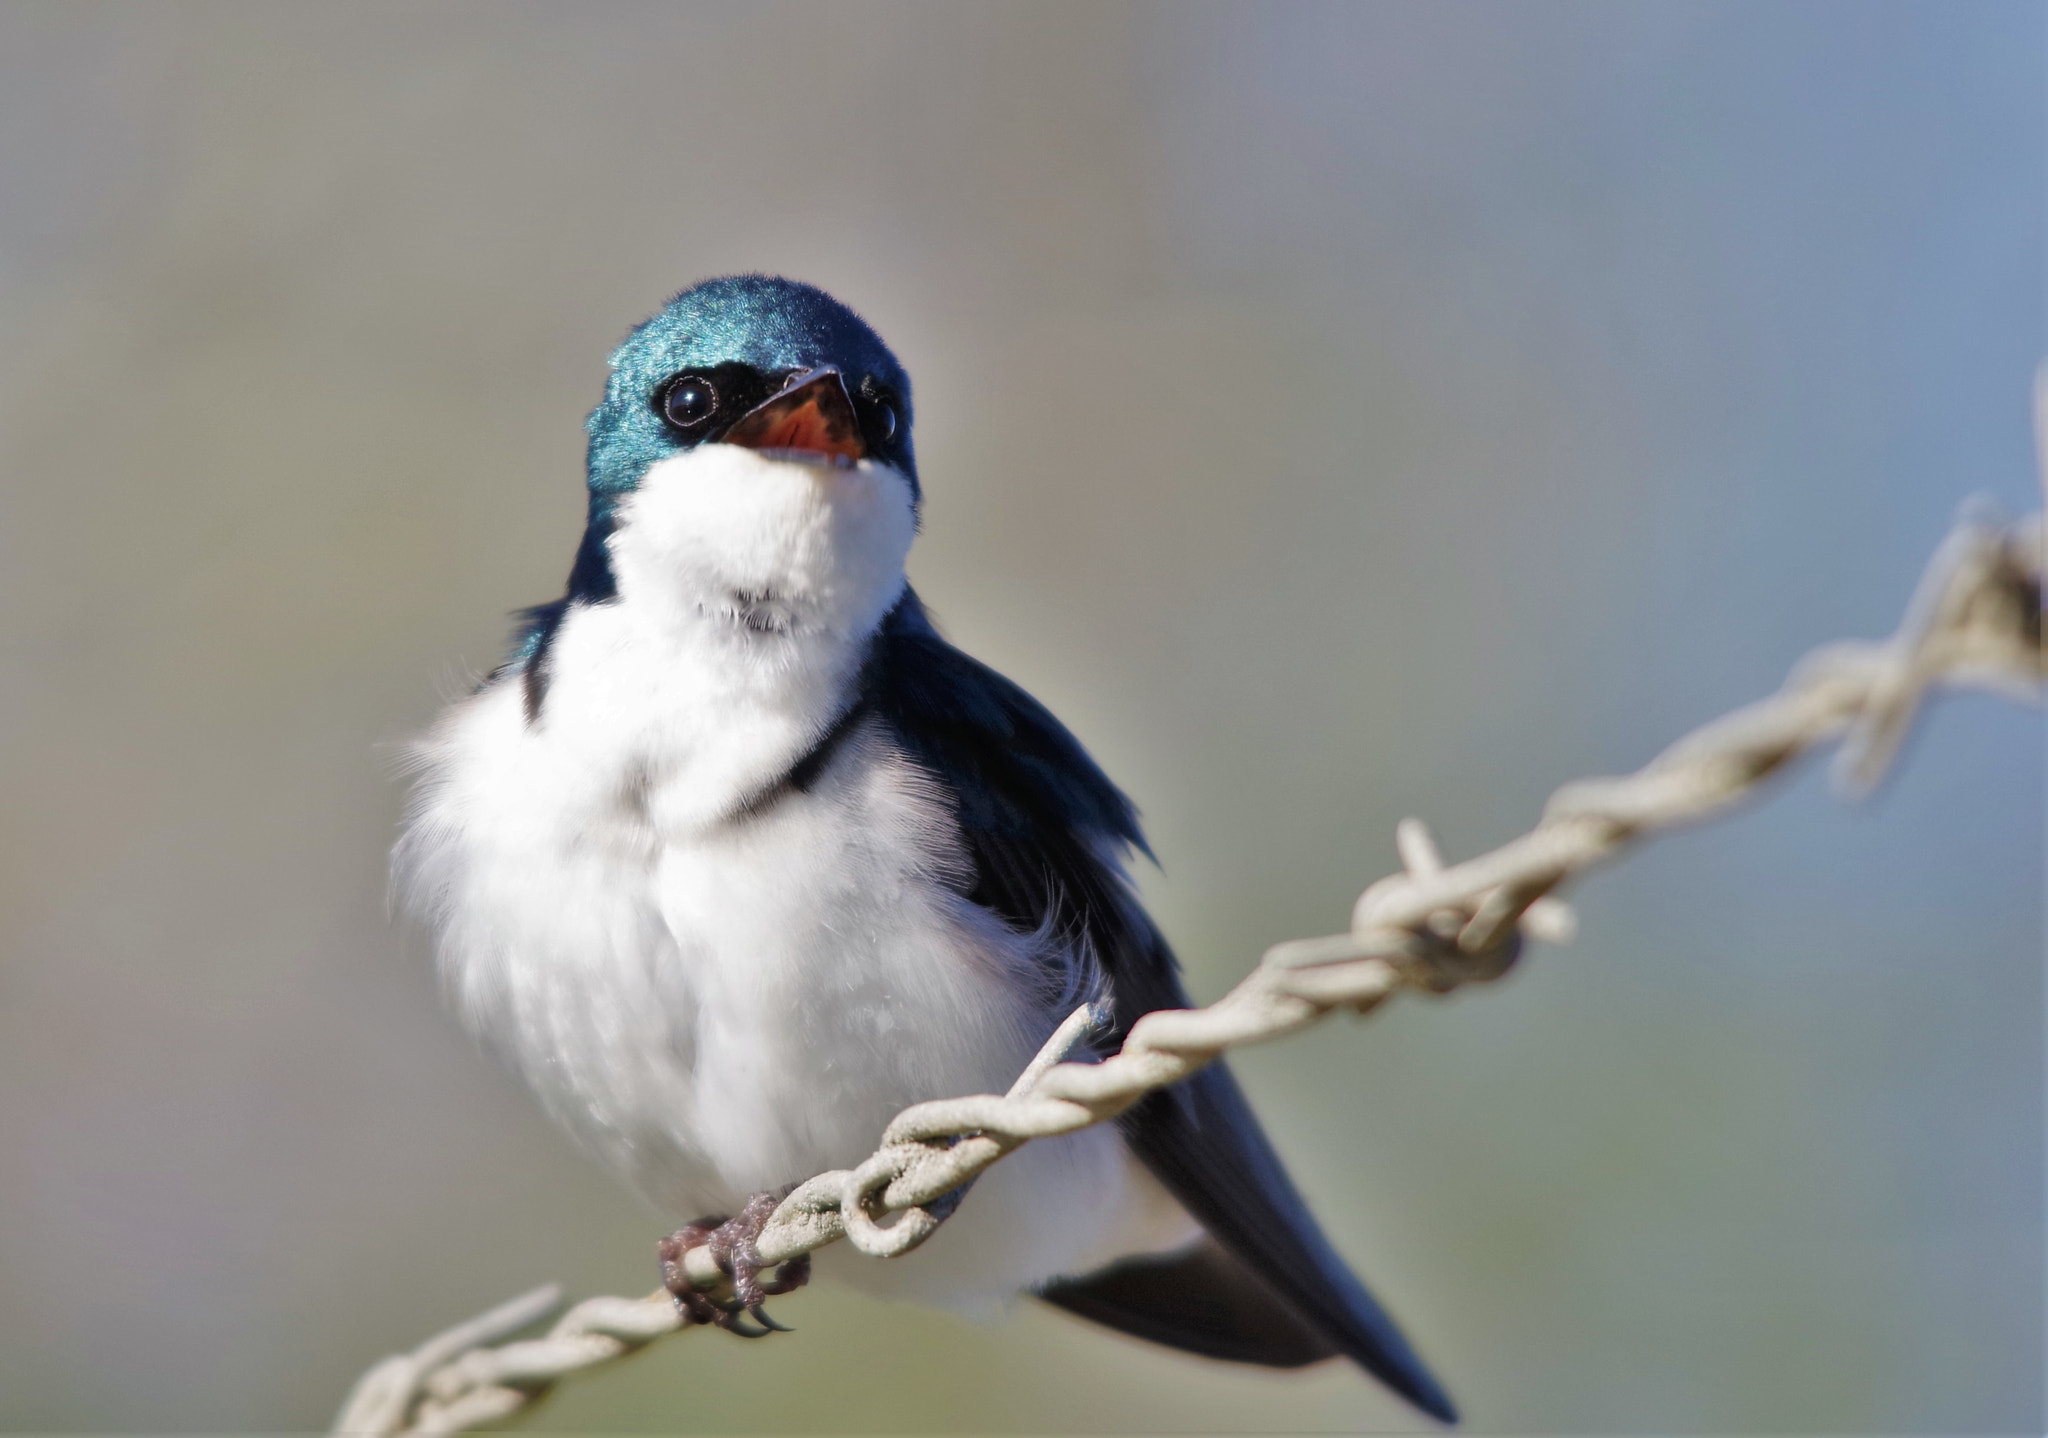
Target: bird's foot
(731, 1243)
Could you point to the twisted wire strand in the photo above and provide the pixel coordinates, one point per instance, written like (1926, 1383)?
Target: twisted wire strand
(1974, 623)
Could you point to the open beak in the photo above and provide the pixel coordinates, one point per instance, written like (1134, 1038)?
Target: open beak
(812, 422)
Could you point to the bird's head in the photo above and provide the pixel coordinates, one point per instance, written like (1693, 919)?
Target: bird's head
(753, 440)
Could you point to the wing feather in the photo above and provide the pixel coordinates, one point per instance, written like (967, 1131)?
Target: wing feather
(1046, 831)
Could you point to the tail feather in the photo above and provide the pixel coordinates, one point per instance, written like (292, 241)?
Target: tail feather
(1201, 1300)
(1201, 1140)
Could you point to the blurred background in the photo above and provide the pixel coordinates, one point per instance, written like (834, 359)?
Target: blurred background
(1335, 412)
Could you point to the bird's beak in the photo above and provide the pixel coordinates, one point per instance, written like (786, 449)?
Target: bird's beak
(812, 421)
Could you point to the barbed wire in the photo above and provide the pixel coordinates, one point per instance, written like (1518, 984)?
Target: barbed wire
(1974, 623)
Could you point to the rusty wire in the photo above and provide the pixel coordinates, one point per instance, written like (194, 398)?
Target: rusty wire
(1974, 623)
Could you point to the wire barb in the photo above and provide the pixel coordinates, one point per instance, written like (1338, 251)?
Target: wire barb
(1974, 623)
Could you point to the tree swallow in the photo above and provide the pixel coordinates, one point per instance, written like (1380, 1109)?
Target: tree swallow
(735, 857)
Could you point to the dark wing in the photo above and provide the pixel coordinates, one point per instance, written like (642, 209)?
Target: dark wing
(1039, 818)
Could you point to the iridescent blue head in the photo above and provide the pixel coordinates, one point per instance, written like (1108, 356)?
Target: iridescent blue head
(740, 339)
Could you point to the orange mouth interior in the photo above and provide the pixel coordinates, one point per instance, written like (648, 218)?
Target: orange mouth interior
(814, 419)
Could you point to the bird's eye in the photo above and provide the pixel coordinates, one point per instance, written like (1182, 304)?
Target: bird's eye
(689, 401)
(880, 404)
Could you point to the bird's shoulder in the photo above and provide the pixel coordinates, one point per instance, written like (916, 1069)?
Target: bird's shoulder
(1014, 767)
(1045, 830)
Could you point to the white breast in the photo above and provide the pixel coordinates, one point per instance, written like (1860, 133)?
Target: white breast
(720, 1002)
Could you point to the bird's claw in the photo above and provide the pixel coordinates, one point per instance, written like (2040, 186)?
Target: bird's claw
(731, 1243)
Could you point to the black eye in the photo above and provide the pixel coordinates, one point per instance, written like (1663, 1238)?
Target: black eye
(881, 411)
(689, 400)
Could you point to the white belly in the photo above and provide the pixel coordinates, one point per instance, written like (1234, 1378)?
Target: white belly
(831, 976)
(721, 1005)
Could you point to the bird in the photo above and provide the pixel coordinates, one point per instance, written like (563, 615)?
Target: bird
(736, 856)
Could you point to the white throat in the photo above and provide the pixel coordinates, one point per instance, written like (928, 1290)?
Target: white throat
(781, 557)
(748, 589)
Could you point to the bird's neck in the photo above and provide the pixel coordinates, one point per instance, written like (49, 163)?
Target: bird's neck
(747, 595)
(697, 709)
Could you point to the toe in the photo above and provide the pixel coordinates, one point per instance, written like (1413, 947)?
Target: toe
(760, 1316)
(731, 1245)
